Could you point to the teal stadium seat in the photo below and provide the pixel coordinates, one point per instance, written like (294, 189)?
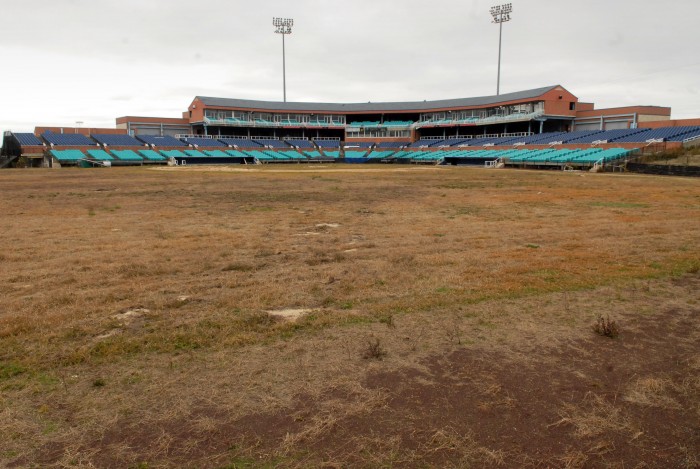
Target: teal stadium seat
(127, 155)
(100, 155)
(151, 155)
(215, 153)
(172, 153)
(66, 156)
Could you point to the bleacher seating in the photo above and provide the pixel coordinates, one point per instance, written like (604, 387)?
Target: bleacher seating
(72, 140)
(449, 142)
(194, 153)
(271, 142)
(295, 155)
(158, 141)
(670, 134)
(379, 155)
(172, 153)
(539, 139)
(27, 139)
(239, 142)
(68, 156)
(127, 155)
(203, 142)
(100, 155)
(122, 140)
(300, 142)
(607, 135)
(360, 144)
(327, 143)
(236, 153)
(215, 153)
(392, 144)
(424, 142)
(151, 155)
(355, 154)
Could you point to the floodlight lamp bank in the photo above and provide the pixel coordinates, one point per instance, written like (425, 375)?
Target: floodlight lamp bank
(501, 13)
(283, 25)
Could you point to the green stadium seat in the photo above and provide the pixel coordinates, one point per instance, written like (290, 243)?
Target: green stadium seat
(194, 153)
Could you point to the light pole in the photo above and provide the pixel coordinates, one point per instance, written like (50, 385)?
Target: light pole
(501, 14)
(284, 27)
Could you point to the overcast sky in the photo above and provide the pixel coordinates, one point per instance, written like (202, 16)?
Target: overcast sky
(94, 60)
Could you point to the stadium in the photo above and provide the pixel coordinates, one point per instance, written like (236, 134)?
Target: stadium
(540, 128)
(394, 269)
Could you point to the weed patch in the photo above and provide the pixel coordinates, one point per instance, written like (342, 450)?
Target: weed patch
(606, 327)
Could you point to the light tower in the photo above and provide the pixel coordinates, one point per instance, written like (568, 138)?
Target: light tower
(501, 14)
(284, 27)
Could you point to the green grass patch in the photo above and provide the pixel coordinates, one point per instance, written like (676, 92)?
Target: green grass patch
(10, 370)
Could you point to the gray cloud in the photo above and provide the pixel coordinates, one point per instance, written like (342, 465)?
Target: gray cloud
(101, 59)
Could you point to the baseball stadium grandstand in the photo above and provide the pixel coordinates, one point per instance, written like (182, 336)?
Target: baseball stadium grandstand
(539, 128)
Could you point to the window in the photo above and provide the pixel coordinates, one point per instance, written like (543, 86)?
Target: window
(572, 106)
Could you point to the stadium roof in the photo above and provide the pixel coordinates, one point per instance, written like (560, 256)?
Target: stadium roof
(374, 107)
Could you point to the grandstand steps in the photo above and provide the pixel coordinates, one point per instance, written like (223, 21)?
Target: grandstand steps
(6, 161)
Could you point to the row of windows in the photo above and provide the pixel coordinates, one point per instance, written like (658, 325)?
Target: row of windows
(527, 108)
(378, 132)
(269, 117)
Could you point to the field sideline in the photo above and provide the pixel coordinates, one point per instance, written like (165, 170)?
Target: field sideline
(148, 318)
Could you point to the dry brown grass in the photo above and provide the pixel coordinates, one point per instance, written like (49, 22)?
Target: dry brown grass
(158, 283)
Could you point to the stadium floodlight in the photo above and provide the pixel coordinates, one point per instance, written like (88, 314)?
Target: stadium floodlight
(284, 27)
(501, 14)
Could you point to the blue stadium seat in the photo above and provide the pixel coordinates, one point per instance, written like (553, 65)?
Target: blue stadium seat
(203, 142)
(239, 142)
(27, 139)
(122, 140)
(164, 141)
(73, 140)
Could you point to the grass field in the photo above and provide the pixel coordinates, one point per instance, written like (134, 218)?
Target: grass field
(346, 317)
